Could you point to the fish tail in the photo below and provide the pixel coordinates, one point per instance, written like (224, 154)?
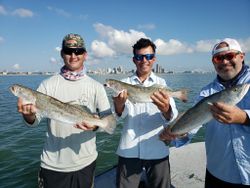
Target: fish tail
(109, 124)
(182, 95)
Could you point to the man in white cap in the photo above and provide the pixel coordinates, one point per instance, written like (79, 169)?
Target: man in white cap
(69, 155)
(228, 135)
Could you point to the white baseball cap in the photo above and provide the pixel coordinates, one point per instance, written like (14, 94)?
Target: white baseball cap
(232, 45)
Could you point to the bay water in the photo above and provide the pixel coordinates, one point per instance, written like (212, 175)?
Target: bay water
(21, 146)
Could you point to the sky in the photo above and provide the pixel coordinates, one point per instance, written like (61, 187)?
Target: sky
(31, 31)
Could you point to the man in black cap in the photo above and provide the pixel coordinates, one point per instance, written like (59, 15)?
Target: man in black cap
(69, 154)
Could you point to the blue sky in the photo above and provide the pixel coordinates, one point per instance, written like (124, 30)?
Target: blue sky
(184, 31)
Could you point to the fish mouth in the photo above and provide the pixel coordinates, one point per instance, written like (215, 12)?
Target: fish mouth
(12, 89)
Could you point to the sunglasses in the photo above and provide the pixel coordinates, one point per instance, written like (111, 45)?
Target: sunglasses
(76, 51)
(139, 57)
(228, 57)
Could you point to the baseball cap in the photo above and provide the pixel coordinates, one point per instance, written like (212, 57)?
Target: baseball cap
(73, 40)
(232, 45)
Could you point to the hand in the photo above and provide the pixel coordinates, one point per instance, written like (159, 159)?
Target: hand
(85, 126)
(167, 135)
(229, 114)
(27, 110)
(162, 101)
(119, 102)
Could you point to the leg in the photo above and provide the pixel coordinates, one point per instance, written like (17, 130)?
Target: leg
(158, 173)
(82, 178)
(129, 172)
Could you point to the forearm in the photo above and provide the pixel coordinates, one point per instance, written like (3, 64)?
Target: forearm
(119, 109)
(168, 114)
(246, 120)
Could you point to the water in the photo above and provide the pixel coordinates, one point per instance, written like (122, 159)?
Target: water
(21, 146)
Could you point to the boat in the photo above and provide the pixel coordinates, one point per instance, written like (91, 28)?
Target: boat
(187, 163)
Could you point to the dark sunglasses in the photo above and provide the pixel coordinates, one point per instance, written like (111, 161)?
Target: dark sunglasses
(76, 51)
(228, 57)
(139, 57)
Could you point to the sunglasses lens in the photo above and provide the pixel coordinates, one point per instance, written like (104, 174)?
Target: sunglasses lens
(147, 56)
(76, 51)
(220, 58)
(229, 56)
(138, 57)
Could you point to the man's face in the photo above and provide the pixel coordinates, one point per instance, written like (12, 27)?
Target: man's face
(228, 63)
(145, 60)
(74, 58)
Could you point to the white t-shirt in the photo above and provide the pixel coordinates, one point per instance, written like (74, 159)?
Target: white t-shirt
(67, 148)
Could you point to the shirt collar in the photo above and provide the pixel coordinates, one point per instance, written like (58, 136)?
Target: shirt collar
(151, 78)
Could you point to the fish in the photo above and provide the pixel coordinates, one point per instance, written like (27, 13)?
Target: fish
(200, 113)
(55, 109)
(140, 94)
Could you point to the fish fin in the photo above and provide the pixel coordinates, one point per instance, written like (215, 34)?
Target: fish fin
(181, 94)
(159, 86)
(82, 107)
(109, 124)
(71, 102)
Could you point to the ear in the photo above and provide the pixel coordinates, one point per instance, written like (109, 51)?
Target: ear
(85, 55)
(133, 59)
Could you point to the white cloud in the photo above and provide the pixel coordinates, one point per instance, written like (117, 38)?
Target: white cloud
(23, 13)
(55, 61)
(100, 49)
(171, 47)
(58, 49)
(205, 45)
(2, 10)
(16, 66)
(118, 40)
(114, 43)
(245, 44)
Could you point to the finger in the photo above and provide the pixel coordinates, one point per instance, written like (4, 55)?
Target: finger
(81, 126)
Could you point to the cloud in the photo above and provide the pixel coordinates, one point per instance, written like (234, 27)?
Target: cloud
(115, 43)
(58, 49)
(2, 10)
(118, 41)
(100, 49)
(53, 60)
(245, 44)
(23, 13)
(59, 12)
(205, 45)
(16, 66)
(171, 47)
(146, 26)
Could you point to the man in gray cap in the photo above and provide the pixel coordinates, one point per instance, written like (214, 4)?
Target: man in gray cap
(228, 134)
(69, 154)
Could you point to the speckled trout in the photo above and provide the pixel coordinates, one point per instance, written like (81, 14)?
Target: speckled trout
(52, 108)
(140, 94)
(200, 113)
